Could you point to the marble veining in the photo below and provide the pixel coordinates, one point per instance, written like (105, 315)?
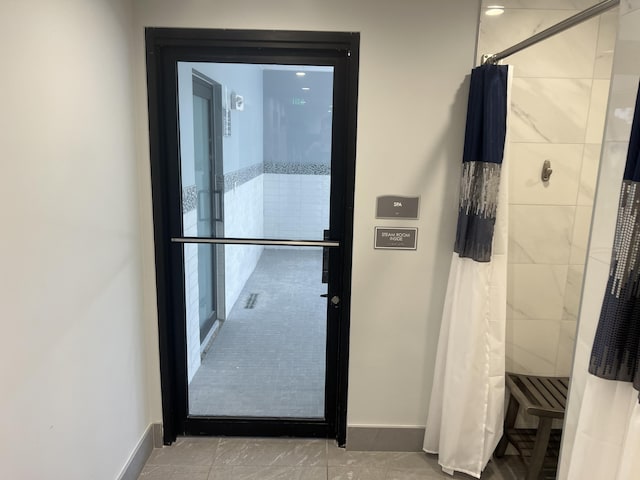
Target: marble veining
(627, 6)
(606, 44)
(532, 345)
(550, 109)
(536, 291)
(597, 111)
(580, 238)
(529, 122)
(186, 451)
(237, 458)
(271, 452)
(572, 292)
(556, 57)
(589, 174)
(566, 343)
(268, 473)
(540, 234)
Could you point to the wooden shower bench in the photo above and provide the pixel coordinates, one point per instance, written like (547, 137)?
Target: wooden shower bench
(545, 398)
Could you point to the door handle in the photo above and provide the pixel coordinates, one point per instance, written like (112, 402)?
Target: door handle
(325, 259)
(217, 207)
(335, 300)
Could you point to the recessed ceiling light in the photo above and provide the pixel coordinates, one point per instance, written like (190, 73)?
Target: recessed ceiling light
(493, 10)
(300, 74)
(306, 89)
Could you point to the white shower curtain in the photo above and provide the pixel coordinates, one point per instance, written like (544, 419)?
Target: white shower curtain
(466, 410)
(607, 442)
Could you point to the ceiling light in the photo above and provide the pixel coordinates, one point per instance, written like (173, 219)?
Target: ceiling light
(306, 89)
(300, 74)
(493, 10)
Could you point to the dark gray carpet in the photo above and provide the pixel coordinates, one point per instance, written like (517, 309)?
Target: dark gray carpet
(269, 360)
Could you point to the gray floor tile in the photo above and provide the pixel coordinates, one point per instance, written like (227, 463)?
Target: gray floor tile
(356, 473)
(173, 472)
(269, 360)
(413, 460)
(267, 473)
(413, 474)
(409, 460)
(237, 458)
(186, 451)
(271, 452)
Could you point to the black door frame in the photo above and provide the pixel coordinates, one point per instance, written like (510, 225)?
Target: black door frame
(164, 48)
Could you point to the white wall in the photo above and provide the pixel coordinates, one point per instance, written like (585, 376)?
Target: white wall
(296, 206)
(72, 349)
(415, 59)
(240, 260)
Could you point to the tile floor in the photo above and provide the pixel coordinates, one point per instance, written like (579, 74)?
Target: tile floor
(269, 360)
(227, 458)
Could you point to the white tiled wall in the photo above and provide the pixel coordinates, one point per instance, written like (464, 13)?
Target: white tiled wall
(192, 295)
(243, 217)
(559, 98)
(296, 206)
(624, 87)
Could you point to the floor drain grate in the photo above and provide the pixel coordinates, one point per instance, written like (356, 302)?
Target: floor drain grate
(251, 301)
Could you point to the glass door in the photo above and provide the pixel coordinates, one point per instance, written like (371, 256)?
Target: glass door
(201, 161)
(267, 358)
(253, 195)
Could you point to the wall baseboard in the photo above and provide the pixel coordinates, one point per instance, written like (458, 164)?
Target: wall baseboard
(158, 439)
(385, 439)
(152, 437)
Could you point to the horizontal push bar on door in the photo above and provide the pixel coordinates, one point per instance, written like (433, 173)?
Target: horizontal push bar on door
(257, 241)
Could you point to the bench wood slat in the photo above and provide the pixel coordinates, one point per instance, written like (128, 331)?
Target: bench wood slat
(554, 389)
(537, 400)
(544, 386)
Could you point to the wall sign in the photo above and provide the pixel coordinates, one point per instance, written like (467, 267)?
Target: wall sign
(394, 206)
(399, 238)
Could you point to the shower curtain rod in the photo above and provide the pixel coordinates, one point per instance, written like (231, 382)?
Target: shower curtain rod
(590, 12)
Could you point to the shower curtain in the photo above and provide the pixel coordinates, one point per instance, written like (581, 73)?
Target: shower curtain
(607, 442)
(465, 417)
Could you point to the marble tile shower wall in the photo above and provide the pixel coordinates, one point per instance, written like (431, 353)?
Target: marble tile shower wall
(558, 105)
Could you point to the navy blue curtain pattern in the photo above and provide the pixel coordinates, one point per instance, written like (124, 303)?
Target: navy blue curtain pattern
(481, 163)
(616, 348)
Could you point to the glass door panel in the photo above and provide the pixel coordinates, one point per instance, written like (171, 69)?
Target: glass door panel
(268, 358)
(275, 175)
(256, 148)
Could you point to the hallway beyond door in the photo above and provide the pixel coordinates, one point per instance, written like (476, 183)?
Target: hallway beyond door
(268, 359)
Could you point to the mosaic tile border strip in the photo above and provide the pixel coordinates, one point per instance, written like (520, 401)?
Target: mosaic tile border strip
(237, 178)
(234, 179)
(297, 168)
(189, 198)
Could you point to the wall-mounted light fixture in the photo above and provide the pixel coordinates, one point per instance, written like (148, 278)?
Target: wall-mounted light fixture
(237, 102)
